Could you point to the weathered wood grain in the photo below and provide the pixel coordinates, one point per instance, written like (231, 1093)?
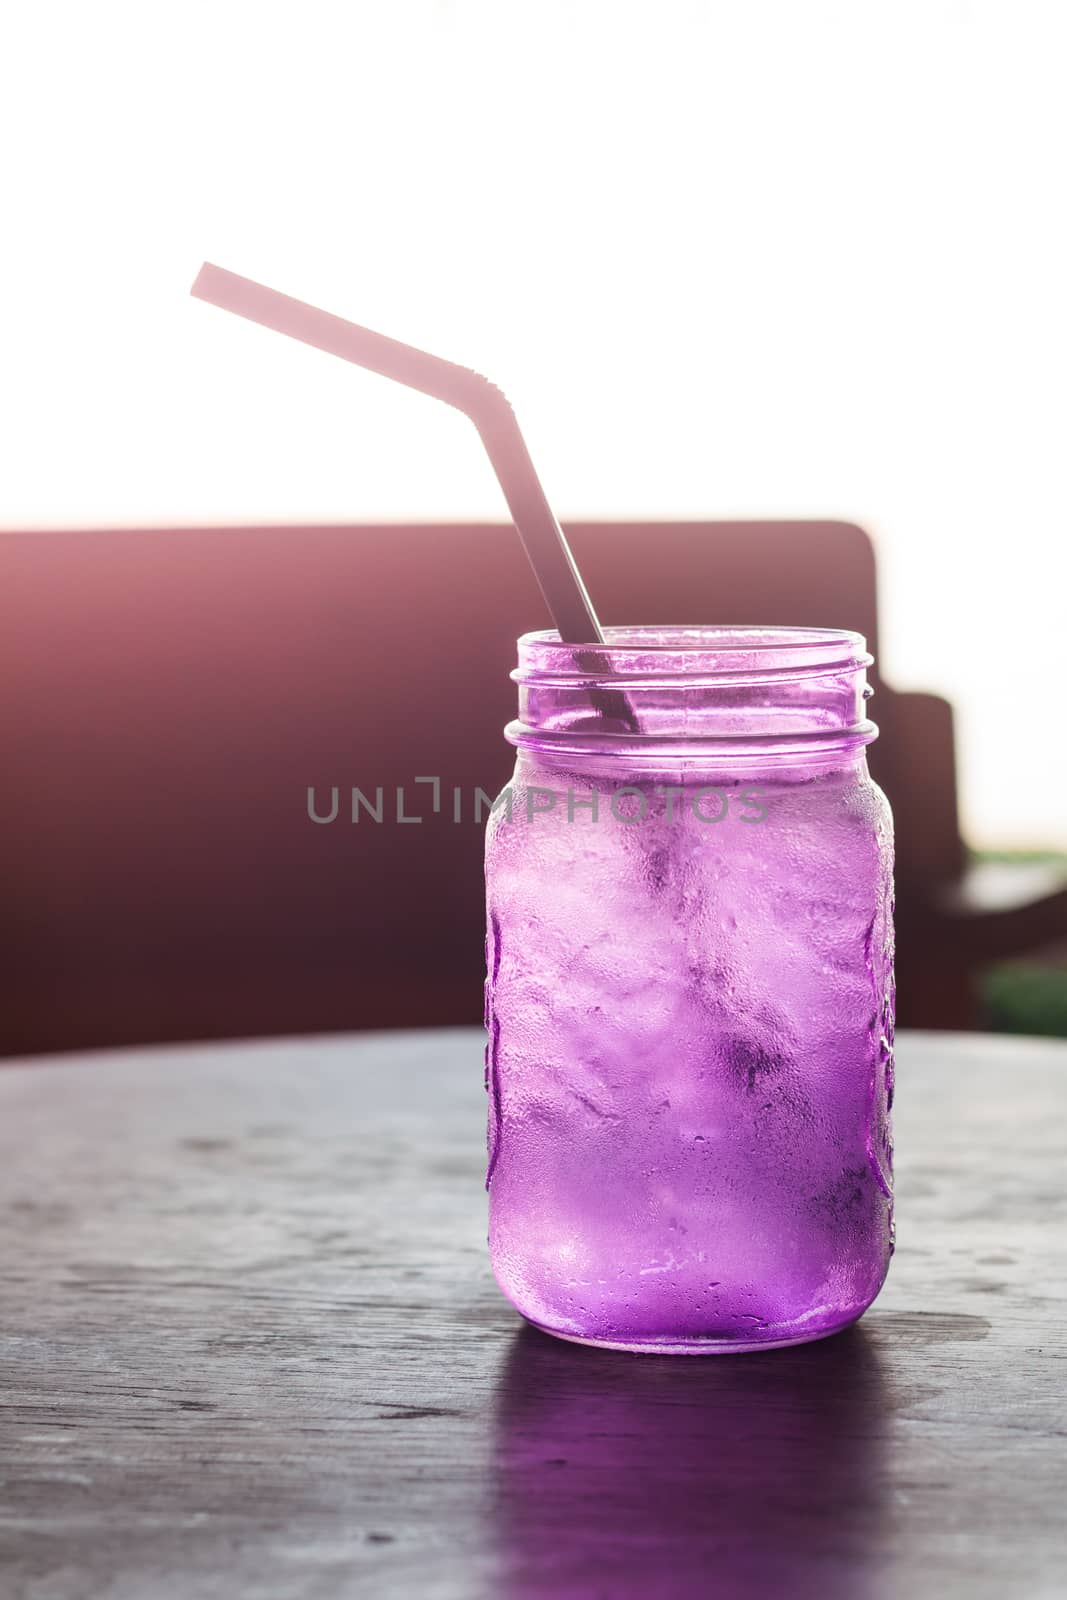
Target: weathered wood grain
(250, 1348)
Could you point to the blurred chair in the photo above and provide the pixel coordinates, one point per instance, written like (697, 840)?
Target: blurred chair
(172, 694)
(955, 915)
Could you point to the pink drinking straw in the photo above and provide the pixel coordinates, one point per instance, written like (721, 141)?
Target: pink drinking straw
(546, 548)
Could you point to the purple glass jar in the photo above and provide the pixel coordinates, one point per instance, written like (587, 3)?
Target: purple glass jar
(690, 992)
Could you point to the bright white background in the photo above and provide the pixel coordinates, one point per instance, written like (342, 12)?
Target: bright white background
(785, 257)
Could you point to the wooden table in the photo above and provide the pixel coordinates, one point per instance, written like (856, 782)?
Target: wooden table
(251, 1349)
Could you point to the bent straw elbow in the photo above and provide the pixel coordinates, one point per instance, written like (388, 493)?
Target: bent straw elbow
(468, 391)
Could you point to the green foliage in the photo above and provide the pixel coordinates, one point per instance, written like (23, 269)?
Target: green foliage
(1026, 997)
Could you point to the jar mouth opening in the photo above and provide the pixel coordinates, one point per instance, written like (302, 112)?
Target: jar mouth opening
(682, 691)
(701, 639)
(723, 654)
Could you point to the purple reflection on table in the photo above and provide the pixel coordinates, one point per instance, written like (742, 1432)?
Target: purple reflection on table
(618, 1475)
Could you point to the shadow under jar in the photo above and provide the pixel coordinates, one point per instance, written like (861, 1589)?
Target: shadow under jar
(689, 998)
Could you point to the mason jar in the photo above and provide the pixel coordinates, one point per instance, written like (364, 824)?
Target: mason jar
(689, 992)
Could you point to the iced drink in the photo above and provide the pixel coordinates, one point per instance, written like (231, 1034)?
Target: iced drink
(689, 997)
